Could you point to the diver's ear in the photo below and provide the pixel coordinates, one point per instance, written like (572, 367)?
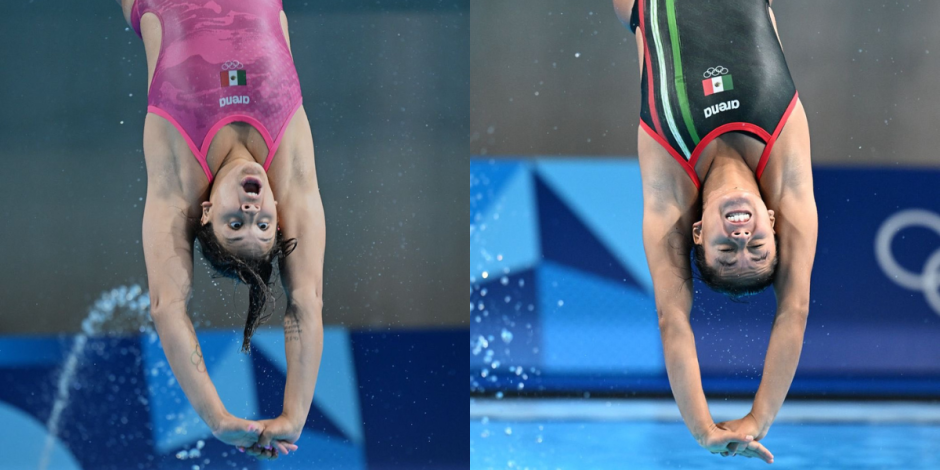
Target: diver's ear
(205, 212)
(770, 212)
(697, 233)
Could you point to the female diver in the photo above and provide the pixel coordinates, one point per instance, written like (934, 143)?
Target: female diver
(230, 161)
(724, 154)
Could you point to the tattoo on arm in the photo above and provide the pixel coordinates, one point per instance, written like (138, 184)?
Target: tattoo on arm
(196, 357)
(292, 328)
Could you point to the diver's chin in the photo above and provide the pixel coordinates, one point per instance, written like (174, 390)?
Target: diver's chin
(252, 168)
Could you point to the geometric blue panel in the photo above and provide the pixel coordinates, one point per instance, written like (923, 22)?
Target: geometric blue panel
(412, 390)
(607, 196)
(595, 320)
(31, 435)
(270, 380)
(505, 236)
(591, 324)
(126, 410)
(566, 240)
(487, 179)
(337, 392)
(32, 352)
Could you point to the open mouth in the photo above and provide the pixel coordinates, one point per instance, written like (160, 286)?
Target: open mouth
(738, 217)
(252, 186)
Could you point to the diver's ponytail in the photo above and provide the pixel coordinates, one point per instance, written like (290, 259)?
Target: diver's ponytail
(256, 273)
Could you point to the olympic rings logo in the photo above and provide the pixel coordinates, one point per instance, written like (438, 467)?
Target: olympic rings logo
(232, 65)
(715, 71)
(928, 280)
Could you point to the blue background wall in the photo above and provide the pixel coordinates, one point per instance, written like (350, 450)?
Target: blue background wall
(384, 400)
(556, 260)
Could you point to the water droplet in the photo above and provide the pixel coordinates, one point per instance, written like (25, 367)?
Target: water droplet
(506, 336)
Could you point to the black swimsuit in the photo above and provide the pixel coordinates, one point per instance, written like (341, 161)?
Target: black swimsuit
(692, 49)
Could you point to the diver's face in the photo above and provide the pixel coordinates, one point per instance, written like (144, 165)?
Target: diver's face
(737, 234)
(242, 210)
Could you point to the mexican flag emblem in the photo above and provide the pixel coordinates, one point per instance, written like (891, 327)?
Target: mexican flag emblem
(233, 78)
(717, 84)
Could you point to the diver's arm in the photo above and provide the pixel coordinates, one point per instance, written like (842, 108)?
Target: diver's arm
(303, 321)
(168, 250)
(169, 258)
(798, 249)
(665, 241)
(302, 273)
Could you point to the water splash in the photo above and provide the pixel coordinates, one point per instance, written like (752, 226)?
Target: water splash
(134, 305)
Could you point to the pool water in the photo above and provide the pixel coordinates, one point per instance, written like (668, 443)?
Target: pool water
(498, 444)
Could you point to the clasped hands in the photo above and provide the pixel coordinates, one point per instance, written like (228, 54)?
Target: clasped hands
(264, 439)
(736, 437)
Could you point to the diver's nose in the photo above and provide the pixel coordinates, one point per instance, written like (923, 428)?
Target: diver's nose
(250, 207)
(741, 233)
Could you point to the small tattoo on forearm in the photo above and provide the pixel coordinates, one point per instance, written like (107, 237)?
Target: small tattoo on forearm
(196, 359)
(292, 330)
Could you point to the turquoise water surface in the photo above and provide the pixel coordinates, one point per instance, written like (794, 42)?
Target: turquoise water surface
(496, 444)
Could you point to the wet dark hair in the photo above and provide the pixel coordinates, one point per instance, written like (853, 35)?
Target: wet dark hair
(734, 288)
(256, 273)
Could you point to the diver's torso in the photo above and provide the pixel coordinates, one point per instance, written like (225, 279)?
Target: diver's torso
(711, 69)
(216, 64)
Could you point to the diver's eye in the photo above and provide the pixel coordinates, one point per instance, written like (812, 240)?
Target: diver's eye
(235, 225)
(758, 246)
(263, 226)
(726, 250)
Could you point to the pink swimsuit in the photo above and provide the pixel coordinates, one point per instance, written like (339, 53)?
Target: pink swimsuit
(220, 62)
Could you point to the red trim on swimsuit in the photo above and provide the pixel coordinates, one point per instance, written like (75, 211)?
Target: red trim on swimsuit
(649, 77)
(773, 139)
(689, 169)
(769, 141)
